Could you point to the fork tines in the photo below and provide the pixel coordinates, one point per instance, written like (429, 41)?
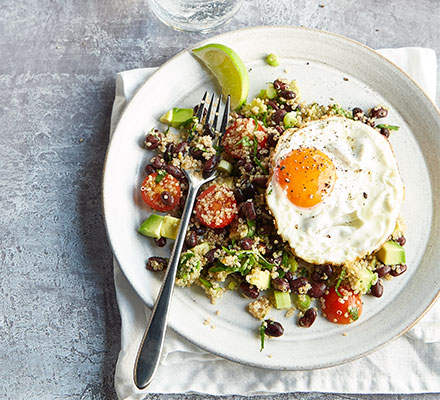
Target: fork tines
(201, 109)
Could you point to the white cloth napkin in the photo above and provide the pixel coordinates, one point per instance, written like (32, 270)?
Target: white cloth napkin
(410, 364)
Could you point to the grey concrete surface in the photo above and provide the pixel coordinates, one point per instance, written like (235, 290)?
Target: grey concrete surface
(59, 323)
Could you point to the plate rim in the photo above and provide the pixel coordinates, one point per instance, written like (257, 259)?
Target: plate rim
(219, 37)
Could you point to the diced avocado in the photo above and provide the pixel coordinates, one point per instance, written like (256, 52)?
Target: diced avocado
(201, 249)
(391, 253)
(152, 226)
(260, 278)
(365, 280)
(303, 301)
(282, 299)
(232, 285)
(225, 166)
(229, 182)
(290, 119)
(177, 117)
(170, 226)
(271, 93)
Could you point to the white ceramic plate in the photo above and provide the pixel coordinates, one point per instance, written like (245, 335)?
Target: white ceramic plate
(328, 68)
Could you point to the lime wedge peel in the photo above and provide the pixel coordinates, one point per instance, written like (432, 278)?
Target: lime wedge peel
(229, 70)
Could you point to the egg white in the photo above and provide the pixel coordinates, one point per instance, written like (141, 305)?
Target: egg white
(360, 213)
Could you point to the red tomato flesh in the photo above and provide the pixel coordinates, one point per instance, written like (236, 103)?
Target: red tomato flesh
(341, 310)
(216, 206)
(239, 138)
(151, 191)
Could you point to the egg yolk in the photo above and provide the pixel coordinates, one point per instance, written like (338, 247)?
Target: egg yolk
(307, 176)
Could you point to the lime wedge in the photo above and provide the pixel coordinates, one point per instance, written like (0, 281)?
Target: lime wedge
(229, 70)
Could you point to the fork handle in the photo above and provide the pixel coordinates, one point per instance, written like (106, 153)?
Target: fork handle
(150, 349)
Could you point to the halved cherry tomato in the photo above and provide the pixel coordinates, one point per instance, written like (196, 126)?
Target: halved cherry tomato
(154, 185)
(216, 206)
(239, 139)
(341, 310)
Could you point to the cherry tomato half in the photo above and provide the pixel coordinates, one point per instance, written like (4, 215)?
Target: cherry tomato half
(343, 309)
(239, 139)
(216, 206)
(161, 191)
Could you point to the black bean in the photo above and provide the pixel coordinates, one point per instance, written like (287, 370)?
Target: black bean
(316, 277)
(278, 85)
(382, 271)
(210, 255)
(326, 269)
(265, 229)
(317, 290)
(278, 115)
(399, 270)
(149, 169)
(246, 243)
(169, 150)
(280, 284)
(385, 132)
(174, 171)
(157, 264)
(298, 283)
(151, 141)
(401, 240)
(307, 320)
(377, 289)
(182, 200)
(273, 104)
(208, 131)
(274, 329)
(196, 108)
(191, 239)
(167, 199)
(279, 129)
(158, 162)
(210, 165)
(378, 112)
(239, 196)
(287, 94)
(249, 210)
(197, 153)
(181, 148)
(260, 182)
(356, 111)
(287, 107)
(248, 167)
(249, 291)
(289, 276)
(200, 230)
(249, 191)
(271, 141)
(160, 242)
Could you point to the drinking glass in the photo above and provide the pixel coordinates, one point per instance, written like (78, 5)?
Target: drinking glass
(195, 15)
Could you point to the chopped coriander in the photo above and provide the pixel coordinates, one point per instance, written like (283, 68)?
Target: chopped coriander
(341, 277)
(258, 162)
(252, 228)
(262, 335)
(245, 141)
(205, 283)
(389, 127)
(354, 313)
(160, 175)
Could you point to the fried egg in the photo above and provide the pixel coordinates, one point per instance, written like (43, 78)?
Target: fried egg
(335, 190)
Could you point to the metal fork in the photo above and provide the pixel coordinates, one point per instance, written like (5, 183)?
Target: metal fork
(147, 359)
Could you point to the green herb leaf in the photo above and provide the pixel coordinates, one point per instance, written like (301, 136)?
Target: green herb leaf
(245, 141)
(258, 162)
(341, 277)
(262, 335)
(255, 146)
(354, 313)
(160, 175)
(252, 228)
(389, 127)
(205, 282)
